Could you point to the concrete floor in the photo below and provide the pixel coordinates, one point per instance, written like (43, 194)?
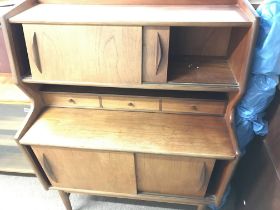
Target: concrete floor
(26, 193)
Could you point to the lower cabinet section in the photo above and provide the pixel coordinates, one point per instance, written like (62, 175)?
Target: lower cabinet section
(173, 175)
(120, 172)
(87, 169)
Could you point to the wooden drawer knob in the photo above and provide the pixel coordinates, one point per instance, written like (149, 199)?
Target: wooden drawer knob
(131, 104)
(72, 101)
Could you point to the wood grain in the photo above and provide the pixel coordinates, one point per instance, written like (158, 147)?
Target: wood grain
(200, 41)
(130, 103)
(135, 103)
(189, 15)
(206, 70)
(211, 87)
(155, 39)
(71, 100)
(173, 175)
(113, 54)
(193, 106)
(132, 132)
(89, 170)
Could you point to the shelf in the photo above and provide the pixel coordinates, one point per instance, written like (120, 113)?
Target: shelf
(140, 132)
(201, 70)
(13, 161)
(187, 15)
(168, 86)
(9, 92)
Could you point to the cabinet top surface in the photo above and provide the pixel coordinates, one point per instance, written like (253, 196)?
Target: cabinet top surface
(155, 133)
(183, 15)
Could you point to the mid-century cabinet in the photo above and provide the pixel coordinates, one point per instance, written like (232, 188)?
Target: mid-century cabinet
(132, 99)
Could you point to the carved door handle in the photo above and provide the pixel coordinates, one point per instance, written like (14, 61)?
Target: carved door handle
(48, 168)
(35, 51)
(158, 53)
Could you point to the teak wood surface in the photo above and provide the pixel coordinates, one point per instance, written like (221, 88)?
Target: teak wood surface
(81, 169)
(173, 175)
(55, 52)
(157, 133)
(135, 103)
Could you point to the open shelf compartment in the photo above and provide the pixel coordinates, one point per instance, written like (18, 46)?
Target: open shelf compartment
(200, 55)
(138, 132)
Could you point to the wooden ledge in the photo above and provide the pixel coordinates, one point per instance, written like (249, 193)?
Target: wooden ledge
(157, 133)
(187, 15)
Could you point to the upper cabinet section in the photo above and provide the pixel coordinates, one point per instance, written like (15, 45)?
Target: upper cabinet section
(188, 45)
(160, 15)
(84, 53)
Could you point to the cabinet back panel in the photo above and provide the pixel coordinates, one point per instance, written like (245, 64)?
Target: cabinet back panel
(200, 41)
(107, 54)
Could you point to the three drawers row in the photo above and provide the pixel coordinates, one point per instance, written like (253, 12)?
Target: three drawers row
(136, 103)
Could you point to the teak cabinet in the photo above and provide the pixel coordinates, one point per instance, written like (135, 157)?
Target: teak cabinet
(132, 99)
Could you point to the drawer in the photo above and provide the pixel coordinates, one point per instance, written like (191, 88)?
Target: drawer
(71, 100)
(214, 107)
(130, 103)
(88, 169)
(77, 53)
(173, 175)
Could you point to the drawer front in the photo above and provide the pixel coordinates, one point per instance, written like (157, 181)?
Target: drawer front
(173, 175)
(155, 54)
(87, 169)
(4, 62)
(102, 54)
(193, 106)
(72, 100)
(130, 103)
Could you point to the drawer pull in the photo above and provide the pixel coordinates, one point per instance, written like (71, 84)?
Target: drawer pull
(158, 53)
(131, 104)
(72, 101)
(48, 168)
(35, 50)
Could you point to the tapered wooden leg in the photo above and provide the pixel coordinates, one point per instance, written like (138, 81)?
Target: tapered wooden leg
(201, 207)
(65, 198)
